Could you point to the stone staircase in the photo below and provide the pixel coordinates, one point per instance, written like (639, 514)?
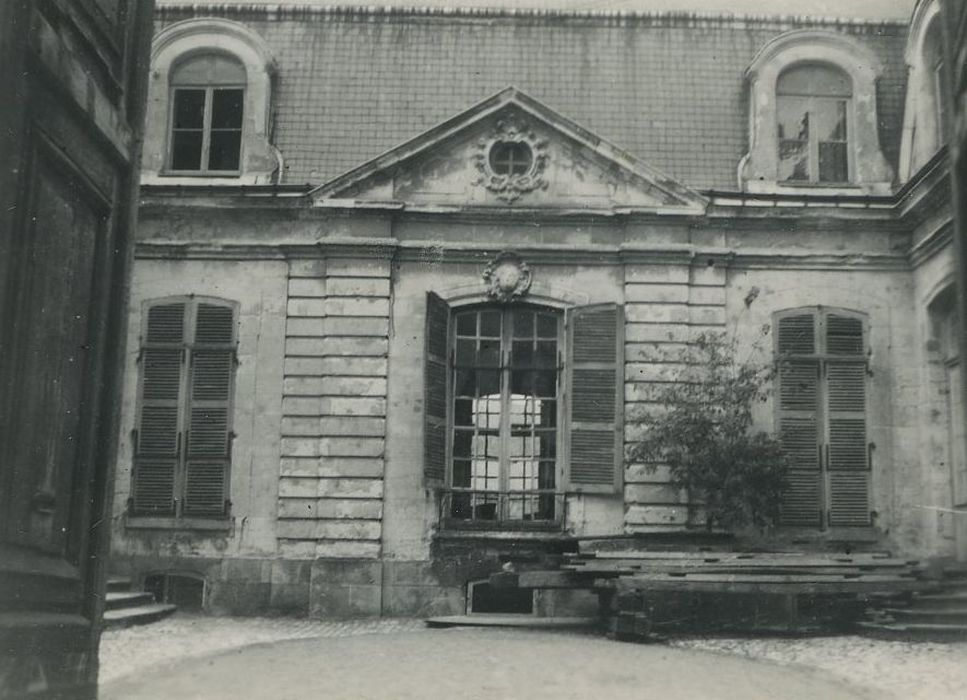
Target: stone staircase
(124, 607)
(939, 613)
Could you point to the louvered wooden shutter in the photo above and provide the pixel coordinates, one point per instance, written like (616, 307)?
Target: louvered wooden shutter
(208, 444)
(848, 450)
(158, 441)
(437, 341)
(799, 422)
(596, 391)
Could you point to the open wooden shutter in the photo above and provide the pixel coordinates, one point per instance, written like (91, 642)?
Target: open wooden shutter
(847, 461)
(435, 389)
(157, 443)
(799, 422)
(596, 398)
(208, 413)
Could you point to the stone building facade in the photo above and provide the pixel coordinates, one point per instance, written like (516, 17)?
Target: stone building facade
(402, 277)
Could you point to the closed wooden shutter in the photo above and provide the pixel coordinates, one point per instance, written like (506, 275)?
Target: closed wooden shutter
(435, 389)
(799, 428)
(848, 450)
(596, 398)
(208, 412)
(158, 440)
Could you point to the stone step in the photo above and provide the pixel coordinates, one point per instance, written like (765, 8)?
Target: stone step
(141, 615)
(118, 583)
(920, 631)
(116, 600)
(952, 615)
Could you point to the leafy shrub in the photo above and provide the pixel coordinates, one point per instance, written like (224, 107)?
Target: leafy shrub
(701, 428)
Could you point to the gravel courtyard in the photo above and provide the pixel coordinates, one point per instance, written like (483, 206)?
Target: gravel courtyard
(210, 658)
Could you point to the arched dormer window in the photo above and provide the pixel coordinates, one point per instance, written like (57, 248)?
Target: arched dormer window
(209, 94)
(812, 116)
(207, 106)
(926, 115)
(813, 106)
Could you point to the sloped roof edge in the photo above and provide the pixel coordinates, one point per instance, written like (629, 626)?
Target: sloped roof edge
(511, 96)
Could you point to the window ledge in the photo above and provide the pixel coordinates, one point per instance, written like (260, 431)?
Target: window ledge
(818, 188)
(140, 522)
(203, 180)
(549, 534)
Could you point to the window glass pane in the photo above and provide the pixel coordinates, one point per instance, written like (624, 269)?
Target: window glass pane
(466, 353)
(461, 473)
(462, 440)
(490, 324)
(488, 382)
(227, 109)
(546, 353)
(523, 353)
(467, 323)
(225, 150)
(463, 412)
(793, 133)
(547, 326)
(489, 355)
(545, 384)
(546, 413)
(189, 109)
(814, 79)
(545, 478)
(186, 150)
(209, 69)
(463, 383)
(521, 382)
(833, 164)
(547, 444)
(523, 323)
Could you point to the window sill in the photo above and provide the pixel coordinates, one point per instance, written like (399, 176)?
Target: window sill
(818, 188)
(554, 532)
(141, 522)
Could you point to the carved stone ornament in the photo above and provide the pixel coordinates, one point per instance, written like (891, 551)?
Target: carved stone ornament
(511, 134)
(507, 277)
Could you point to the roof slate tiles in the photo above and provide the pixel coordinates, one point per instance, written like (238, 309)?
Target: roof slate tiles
(670, 90)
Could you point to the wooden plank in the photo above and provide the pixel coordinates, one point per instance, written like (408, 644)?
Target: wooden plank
(554, 579)
(682, 585)
(713, 569)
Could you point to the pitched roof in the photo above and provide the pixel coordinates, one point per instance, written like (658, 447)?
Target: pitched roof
(668, 88)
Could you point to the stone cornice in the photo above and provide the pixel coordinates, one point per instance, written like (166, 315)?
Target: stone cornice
(546, 254)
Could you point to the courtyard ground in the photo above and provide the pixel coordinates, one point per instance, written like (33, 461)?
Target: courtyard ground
(210, 658)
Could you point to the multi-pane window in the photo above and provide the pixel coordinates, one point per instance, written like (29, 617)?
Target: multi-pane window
(182, 441)
(813, 112)
(506, 377)
(207, 104)
(511, 158)
(495, 410)
(822, 417)
(933, 48)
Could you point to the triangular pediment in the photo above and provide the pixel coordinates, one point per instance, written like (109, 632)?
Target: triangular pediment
(509, 152)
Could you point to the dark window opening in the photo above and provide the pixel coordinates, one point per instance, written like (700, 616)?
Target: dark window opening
(484, 598)
(187, 592)
(511, 158)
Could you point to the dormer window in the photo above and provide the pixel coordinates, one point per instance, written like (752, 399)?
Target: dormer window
(206, 115)
(209, 107)
(812, 110)
(812, 117)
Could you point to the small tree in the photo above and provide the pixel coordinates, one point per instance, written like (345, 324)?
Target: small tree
(702, 430)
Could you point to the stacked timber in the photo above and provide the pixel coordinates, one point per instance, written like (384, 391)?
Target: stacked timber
(643, 589)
